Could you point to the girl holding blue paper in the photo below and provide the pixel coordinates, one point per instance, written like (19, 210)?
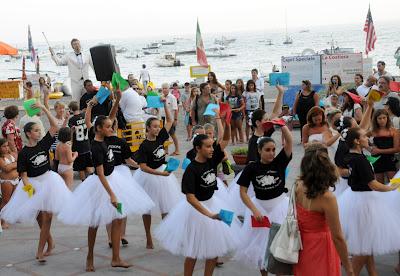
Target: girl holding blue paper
(193, 228)
(41, 192)
(267, 177)
(161, 185)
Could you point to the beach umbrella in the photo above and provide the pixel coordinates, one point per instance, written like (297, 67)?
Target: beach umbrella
(6, 49)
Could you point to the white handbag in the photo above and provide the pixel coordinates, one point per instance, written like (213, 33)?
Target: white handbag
(287, 242)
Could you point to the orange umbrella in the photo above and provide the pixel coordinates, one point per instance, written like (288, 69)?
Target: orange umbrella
(6, 49)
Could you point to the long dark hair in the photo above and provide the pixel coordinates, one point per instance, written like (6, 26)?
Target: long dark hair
(248, 85)
(318, 173)
(349, 105)
(215, 81)
(394, 105)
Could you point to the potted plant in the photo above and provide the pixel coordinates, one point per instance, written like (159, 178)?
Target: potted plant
(239, 155)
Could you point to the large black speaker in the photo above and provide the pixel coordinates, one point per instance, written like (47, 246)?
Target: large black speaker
(104, 61)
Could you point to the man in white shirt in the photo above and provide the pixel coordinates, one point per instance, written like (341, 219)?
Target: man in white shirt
(383, 84)
(172, 105)
(144, 77)
(258, 81)
(364, 88)
(132, 105)
(381, 70)
(78, 67)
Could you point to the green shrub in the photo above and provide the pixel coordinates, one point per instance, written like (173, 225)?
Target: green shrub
(239, 151)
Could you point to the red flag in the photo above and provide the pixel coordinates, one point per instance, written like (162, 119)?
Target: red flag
(371, 35)
(200, 51)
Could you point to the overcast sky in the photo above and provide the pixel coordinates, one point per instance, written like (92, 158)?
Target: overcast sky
(62, 20)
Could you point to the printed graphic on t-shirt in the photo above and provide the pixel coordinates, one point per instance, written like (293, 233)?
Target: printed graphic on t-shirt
(267, 182)
(110, 155)
(39, 159)
(209, 178)
(159, 153)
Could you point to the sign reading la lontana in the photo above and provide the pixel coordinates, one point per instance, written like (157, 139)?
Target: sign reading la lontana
(319, 68)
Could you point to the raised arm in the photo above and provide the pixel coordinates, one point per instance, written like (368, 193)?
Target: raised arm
(366, 119)
(52, 120)
(114, 109)
(278, 103)
(88, 112)
(288, 138)
(58, 61)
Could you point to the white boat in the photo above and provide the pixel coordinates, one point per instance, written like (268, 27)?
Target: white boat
(151, 52)
(335, 49)
(269, 42)
(133, 55)
(164, 42)
(224, 41)
(219, 54)
(168, 60)
(152, 46)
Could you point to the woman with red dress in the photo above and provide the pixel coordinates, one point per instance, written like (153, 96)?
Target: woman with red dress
(324, 246)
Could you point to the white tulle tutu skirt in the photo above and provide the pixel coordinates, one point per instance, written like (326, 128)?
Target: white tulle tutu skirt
(165, 191)
(255, 239)
(369, 222)
(50, 195)
(187, 232)
(235, 201)
(341, 186)
(90, 204)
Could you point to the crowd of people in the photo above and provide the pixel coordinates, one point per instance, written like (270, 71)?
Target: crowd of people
(344, 202)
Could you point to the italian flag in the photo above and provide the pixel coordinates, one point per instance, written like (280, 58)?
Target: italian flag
(200, 51)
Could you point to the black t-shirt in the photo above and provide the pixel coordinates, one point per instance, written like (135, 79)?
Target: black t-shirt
(361, 172)
(80, 138)
(152, 152)
(120, 148)
(101, 155)
(341, 152)
(98, 109)
(268, 179)
(35, 160)
(200, 179)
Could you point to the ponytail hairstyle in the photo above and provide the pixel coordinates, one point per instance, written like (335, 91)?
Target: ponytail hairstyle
(317, 172)
(198, 141)
(262, 141)
(352, 134)
(343, 124)
(255, 116)
(99, 122)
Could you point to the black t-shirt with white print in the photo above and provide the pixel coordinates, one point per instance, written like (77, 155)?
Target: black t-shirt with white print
(268, 179)
(35, 160)
(80, 137)
(120, 148)
(200, 179)
(152, 153)
(361, 172)
(101, 155)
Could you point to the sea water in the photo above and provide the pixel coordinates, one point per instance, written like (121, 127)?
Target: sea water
(250, 49)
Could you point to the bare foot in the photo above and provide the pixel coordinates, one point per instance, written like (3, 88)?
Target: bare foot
(40, 259)
(175, 153)
(50, 247)
(149, 245)
(89, 265)
(120, 264)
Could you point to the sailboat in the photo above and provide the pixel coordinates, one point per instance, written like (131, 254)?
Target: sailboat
(288, 39)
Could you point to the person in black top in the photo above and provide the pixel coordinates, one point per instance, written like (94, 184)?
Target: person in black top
(365, 214)
(159, 184)
(48, 190)
(198, 216)
(98, 109)
(267, 176)
(80, 142)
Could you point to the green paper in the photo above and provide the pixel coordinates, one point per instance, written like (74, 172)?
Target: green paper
(119, 207)
(118, 80)
(372, 159)
(28, 107)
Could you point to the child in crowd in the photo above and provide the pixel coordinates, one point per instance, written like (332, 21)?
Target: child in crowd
(65, 156)
(62, 120)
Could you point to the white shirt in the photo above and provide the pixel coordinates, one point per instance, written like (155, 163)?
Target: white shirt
(132, 105)
(385, 73)
(351, 112)
(252, 100)
(35, 119)
(260, 85)
(144, 75)
(172, 105)
(363, 90)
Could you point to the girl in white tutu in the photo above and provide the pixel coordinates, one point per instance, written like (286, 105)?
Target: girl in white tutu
(193, 228)
(366, 214)
(161, 185)
(268, 179)
(41, 192)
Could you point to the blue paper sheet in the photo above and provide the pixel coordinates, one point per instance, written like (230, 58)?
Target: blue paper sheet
(226, 216)
(102, 94)
(185, 163)
(172, 164)
(154, 102)
(279, 78)
(209, 109)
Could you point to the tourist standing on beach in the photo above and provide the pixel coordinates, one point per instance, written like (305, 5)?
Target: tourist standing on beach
(258, 81)
(144, 76)
(214, 83)
(237, 105)
(10, 131)
(45, 91)
(171, 104)
(186, 98)
(305, 100)
(381, 65)
(200, 104)
(78, 67)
